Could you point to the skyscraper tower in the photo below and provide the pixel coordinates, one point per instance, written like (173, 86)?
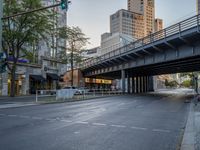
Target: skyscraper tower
(158, 24)
(147, 9)
(127, 22)
(198, 6)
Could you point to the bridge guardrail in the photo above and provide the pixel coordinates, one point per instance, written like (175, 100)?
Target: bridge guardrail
(167, 32)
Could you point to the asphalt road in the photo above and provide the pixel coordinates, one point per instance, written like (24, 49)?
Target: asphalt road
(140, 122)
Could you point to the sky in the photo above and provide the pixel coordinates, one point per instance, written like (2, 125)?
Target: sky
(92, 16)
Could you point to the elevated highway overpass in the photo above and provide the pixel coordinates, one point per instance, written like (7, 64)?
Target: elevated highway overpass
(172, 50)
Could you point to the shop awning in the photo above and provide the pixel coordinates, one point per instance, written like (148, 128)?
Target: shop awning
(37, 77)
(53, 76)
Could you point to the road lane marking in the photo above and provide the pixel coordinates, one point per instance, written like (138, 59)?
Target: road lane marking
(121, 104)
(160, 130)
(37, 118)
(118, 126)
(138, 128)
(25, 117)
(81, 122)
(76, 132)
(50, 119)
(63, 120)
(99, 124)
(12, 115)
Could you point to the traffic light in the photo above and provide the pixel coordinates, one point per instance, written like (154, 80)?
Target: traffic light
(64, 4)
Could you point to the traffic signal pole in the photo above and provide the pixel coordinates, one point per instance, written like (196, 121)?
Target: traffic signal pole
(31, 11)
(63, 4)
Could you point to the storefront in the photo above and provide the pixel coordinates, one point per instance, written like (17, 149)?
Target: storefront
(36, 82)
(52, 81)
(93, 83)
(19, 80)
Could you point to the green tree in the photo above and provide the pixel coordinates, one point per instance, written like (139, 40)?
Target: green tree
(76, 40)
(166, 82)
(187, 83)
(22, 31)
(171, 83)
(190, 74)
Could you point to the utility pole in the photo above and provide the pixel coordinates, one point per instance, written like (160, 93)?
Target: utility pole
(30, 11)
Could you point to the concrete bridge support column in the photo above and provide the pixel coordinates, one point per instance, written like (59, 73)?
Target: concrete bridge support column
(138, 84)
(133, 85)
(141, 84)
(144, 84)
(137, 87)
(147, 83)
(151, 84)
(123, 81)
(128, 82)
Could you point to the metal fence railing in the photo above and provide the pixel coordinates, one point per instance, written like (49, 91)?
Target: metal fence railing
(162, 34)
(47, 96)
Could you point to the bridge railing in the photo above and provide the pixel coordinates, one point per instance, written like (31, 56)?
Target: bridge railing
(167, 32)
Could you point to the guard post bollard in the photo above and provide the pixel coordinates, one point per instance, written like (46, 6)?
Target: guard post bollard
(36, 98)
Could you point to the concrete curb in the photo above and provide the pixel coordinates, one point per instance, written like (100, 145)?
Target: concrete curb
(74, 100)
(197, 126)
(16, 105)
(188, 142)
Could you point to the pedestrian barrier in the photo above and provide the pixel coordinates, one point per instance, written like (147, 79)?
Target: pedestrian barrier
(61, 95)
(45, 95)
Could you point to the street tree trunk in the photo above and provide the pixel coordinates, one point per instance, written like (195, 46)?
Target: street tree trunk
(72, 69)
(12, 86)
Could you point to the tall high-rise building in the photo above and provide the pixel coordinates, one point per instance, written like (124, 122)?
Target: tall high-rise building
(147, 9)
(158, 25)
(113, 41)
(128, 23)
(198, 6)
(59, 21)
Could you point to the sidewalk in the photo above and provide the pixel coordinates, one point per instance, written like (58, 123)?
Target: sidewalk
(16, 104)
(25, 98)
(191, 138)
(18, 101)
(197, 126)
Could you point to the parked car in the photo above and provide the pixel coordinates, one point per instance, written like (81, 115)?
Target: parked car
(77, 91)
(83, 90)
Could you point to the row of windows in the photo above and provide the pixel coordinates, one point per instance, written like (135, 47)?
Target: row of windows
(124, 14)
(127, 15)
